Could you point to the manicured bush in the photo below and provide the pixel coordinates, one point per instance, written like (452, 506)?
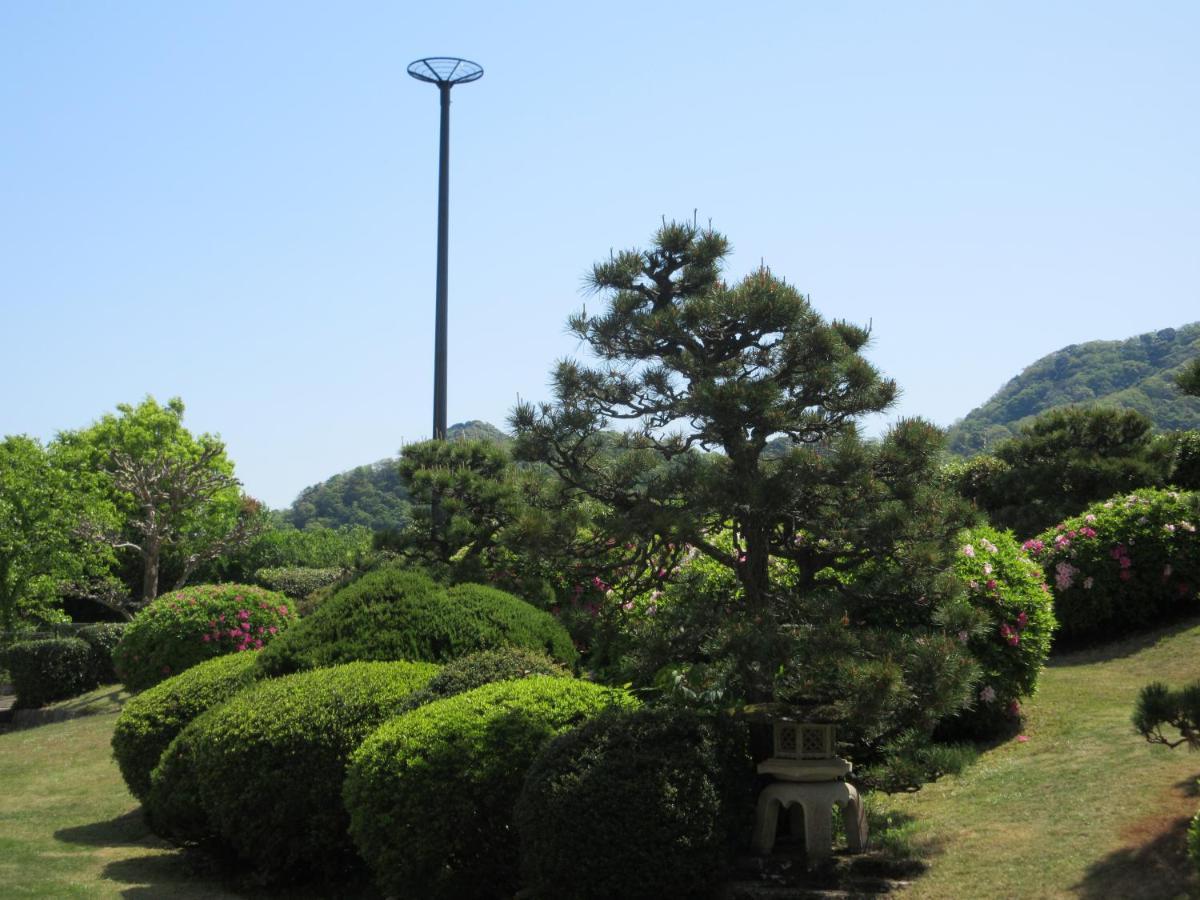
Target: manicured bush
(50, 669)
(642, 804)
(431, 793)
(268, 764)
(1124, 564)
(103, 638)
(397, 613)
(151, 720)
(485, 667)
(188, 626)
(298, 582)
(172, 808)
(1009, 589)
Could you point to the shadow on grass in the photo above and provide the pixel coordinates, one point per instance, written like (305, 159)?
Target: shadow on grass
(128, 828)
(1156, 869)
(1064, 655)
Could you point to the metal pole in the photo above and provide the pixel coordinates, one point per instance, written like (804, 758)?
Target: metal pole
(441, 309)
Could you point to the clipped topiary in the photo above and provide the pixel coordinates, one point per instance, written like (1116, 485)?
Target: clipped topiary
(485, 667)
(51, 669)
(188, 626)
(151, 720)
(431, 793)
(172, 807)
(103, 638)
(397, 613)
(268, 764)
(298, 581)
(1124, 564)
(1008, 588)
(642, 804)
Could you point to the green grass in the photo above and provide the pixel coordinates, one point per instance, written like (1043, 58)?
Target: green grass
(1084, 808)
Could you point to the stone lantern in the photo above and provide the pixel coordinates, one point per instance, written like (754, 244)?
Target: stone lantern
(809, 780)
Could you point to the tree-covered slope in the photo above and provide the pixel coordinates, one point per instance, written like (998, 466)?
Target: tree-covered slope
(1138, 373)
(372, 495)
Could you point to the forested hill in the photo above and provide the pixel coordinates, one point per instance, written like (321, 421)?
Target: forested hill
(1137, 373)
(372, 495)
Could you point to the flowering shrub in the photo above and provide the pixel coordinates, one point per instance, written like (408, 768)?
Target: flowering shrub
(396, 613)
(663, 797)
(431, 793)
(1123, 564)
(149, 721)
(1011, 647)
(188, 626)
(266, 767)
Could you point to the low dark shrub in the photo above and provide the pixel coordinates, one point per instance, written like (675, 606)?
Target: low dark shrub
(1122, 565)
(1009, 590)
(103, 638)
(50, 669)
(185, 627)
(268, 764)
(396, 613)
(298, 582)
(431, 793)
(151, 720)
(643, 804)
(485, 667)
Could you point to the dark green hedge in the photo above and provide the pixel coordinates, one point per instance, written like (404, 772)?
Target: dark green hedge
(103, 638)
(152, 719)
(395, 613)
(431, 793)
(267, 765)
(51, 669)
(485, 667)
(297, 581)
(662, 797)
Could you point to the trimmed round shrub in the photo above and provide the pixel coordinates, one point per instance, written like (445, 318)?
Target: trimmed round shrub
(1009, 589)
(1127, 563)
(51, 669)
(103, 638)
(642, 804)
(268, 764)
(151, 720)
(188, 626)
(485, 667)
(297, 581)
(431, 793)
(396, 613)
(172, 807)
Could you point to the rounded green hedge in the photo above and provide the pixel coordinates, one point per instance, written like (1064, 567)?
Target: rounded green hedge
(1124, 564)
(51, 669)
(268, 764)
(396, 613)
(104, 638)
(431, 793)
(485, 667)
(1008, 588)
(642, 804)
(188, 626)
(151, 720)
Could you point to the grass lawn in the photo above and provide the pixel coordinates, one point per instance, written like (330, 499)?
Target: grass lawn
(1085, 808)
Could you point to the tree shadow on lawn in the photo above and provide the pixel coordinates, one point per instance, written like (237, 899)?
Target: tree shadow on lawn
(184, 872)
(1066, 655)
(1155, 865)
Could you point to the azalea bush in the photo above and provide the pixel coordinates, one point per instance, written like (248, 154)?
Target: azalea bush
(1123, 564)
(1014, 640)
(188, 626)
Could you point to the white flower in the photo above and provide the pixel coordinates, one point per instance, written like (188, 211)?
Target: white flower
(988, 694)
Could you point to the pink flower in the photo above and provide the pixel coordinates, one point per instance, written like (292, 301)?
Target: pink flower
(1087, 532)
(1014, 708)
(1126, 574)
(987, 568)
(283, 610)
(988, 694)
(1089, 518)
(1022, 620)
(205, 638)
(1088, 582)
(273, 629)
(1125, 562)
(991, 584)
(1022, 738)
(968, 550)
(1033, 546)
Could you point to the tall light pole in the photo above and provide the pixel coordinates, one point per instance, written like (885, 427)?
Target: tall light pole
(445, 72)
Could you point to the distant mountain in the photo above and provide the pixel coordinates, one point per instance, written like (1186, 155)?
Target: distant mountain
(372, 495)
(1137, 373)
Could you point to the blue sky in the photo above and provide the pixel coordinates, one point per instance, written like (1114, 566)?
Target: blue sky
(235, 202)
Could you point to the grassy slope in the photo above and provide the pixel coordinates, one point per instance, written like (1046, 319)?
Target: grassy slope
(1084, 808)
